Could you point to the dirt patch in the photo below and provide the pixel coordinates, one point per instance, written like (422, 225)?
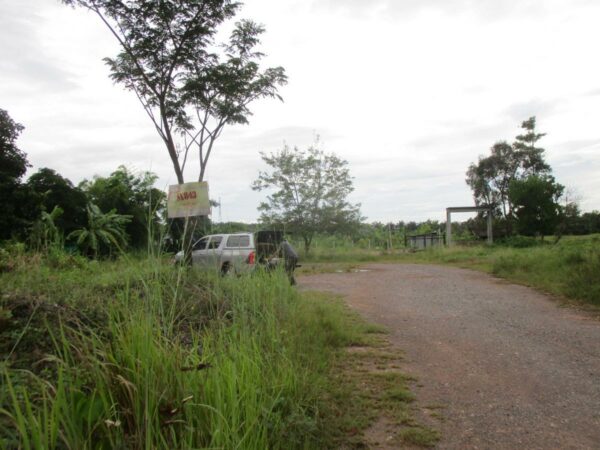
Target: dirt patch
(382, 412)
(504, 365)
(382, 434)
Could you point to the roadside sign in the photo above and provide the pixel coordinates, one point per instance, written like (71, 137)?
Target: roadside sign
(188, 200)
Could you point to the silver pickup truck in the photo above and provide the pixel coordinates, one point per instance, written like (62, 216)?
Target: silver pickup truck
(243, 252)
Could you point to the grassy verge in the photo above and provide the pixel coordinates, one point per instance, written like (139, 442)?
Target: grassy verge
(135, 353)
(368, 400)
(570, 268)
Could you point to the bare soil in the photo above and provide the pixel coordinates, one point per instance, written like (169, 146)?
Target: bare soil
(498, 365)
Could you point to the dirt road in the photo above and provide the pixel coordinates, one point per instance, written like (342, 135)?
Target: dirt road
(511, 368)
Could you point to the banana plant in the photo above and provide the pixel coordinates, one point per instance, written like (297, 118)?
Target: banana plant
(103, 229)
(44, 232)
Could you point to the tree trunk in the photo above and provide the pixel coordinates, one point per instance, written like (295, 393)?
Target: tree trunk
(191, 225)
(307, 242)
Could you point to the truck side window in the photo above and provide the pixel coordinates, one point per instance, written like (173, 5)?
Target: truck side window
(201, 244)
(238, 240)
(233, 241)
(215, 242)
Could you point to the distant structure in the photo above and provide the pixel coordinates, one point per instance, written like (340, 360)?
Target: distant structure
(462, 209)
(423, 241)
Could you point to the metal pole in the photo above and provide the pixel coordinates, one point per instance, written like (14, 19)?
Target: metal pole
(448, 228)
(490, 238)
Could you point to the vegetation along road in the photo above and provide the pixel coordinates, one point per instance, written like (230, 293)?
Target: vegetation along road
(505, 365)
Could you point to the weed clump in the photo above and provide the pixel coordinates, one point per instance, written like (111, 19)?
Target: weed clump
(424, 437)
(583, 281)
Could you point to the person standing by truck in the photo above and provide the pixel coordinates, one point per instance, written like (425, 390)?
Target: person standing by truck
(291, 260)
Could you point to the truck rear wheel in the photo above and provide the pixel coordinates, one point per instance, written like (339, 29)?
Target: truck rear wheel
(225, 270)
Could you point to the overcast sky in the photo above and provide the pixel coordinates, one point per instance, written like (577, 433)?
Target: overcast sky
(410, 92)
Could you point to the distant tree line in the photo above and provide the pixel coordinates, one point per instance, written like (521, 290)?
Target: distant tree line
(125, 210)
(98, 215)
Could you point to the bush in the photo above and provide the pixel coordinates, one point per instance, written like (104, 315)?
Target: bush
(583, 281)
(5, 262)
(57, 258)
(504, 265)
(520, 241)
(11, 255)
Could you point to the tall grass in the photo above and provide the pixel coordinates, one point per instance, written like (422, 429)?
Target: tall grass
(138, 354)
(569, 268)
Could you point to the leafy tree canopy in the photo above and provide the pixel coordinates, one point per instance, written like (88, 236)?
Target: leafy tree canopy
(13, 162)
(491, 177)
(309, 192)
(535, 200)
(48, 189)
(189, 85)
(129, 194)
(13, 165)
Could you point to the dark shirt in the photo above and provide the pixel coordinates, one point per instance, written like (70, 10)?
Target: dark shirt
(290, 255)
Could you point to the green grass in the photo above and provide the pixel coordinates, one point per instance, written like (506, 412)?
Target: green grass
(136, 353)
(368, 387)
(570, 268)
(424, 437)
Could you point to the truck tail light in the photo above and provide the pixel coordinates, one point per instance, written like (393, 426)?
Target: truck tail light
(251, 258)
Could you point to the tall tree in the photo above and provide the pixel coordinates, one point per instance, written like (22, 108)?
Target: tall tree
(491, 177)
(310, 195)
(531, 157)
(48, 190)
(220, 92)
(535, 199)
(13, 165)
(186, 84)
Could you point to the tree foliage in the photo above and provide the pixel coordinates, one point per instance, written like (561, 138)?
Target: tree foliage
(132, 195)
(14, 161)
(491, 177)
(189, 85)
(309, 193)
(535, 200)
(13, 165)
(47, 190)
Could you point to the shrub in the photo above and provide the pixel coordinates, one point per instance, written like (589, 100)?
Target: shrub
(583, 281)
(504, 264)
(520, 241)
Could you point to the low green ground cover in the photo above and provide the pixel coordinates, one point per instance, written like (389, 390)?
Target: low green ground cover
(569, 268)
(136, 353)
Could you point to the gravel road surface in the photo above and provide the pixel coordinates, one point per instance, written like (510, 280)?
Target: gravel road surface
(511, 368)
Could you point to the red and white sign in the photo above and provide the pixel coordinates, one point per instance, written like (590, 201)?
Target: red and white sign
(188, 200)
